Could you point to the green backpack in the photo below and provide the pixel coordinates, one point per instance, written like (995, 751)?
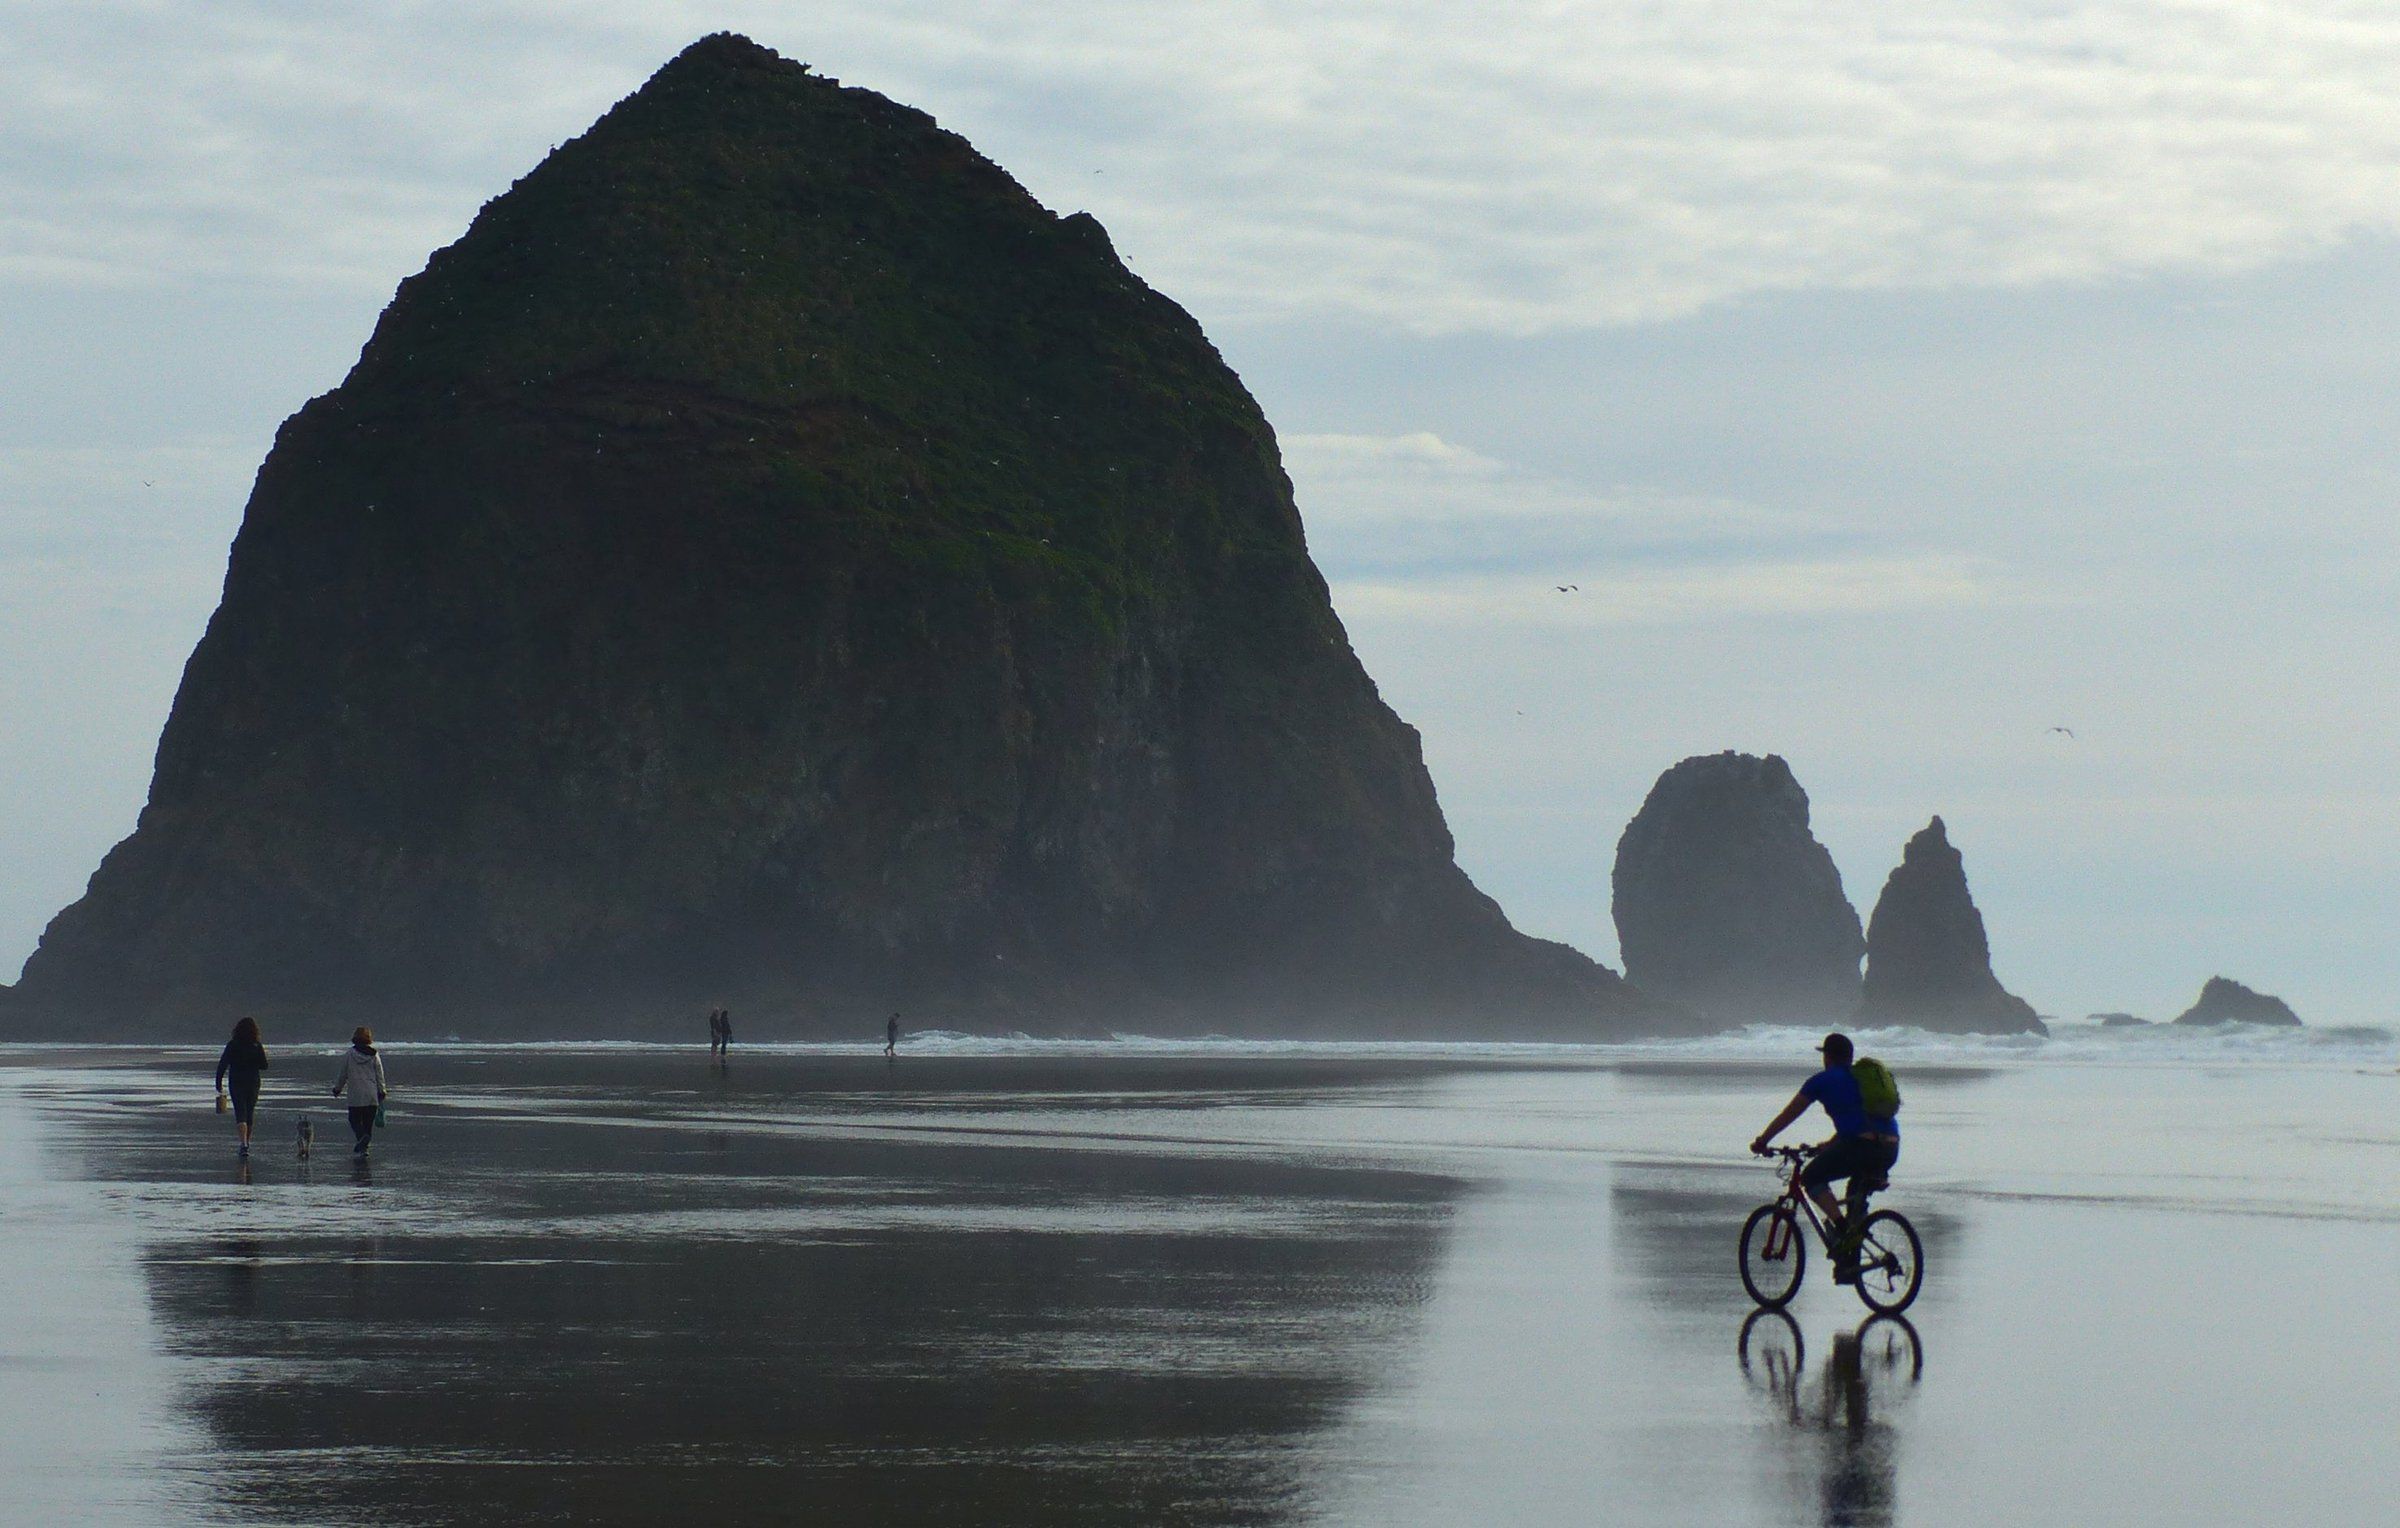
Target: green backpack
(1878, 1089)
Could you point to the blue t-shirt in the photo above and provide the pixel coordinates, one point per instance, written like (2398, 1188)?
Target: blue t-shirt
(1837, 1091)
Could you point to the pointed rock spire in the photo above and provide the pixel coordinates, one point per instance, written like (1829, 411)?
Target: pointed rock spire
(1928, 961)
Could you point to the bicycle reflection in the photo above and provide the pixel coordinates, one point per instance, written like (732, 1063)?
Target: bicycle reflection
(1844, 1413)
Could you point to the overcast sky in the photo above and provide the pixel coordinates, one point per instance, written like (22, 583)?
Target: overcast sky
(1897, 382)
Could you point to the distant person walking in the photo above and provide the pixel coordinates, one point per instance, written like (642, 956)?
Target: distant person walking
(716, 1032)
(243, 1065)
(891, 1038)
(725, 1032)
(361, 1078)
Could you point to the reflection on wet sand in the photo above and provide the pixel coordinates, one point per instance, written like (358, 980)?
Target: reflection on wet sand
(1835, 1458)
(526, 1320)
(1847, 1447)
(1363, 1293)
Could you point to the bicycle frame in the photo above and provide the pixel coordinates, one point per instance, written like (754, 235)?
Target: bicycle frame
(1805, 1209)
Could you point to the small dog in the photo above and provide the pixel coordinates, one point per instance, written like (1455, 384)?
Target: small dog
(308, 1135)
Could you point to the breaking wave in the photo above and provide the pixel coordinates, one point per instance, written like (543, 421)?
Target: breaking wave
(2066, 1042)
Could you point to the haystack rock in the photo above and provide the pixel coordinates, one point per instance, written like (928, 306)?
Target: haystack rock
(1727, 904)
(770, 560)
(2223, 1001)
(1928, 961)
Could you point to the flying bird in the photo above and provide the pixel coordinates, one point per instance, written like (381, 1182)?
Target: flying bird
(2069, 731)
(1568, 588)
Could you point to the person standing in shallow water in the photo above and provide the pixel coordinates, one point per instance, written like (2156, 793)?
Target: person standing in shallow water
(716, 1032)
(243, 1064)
(891, 1038)
(361, 1078)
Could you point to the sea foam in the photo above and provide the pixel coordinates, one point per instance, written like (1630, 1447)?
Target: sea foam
(2355, 1044)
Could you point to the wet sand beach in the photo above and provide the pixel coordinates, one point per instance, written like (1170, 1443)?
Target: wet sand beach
(1121, 1285)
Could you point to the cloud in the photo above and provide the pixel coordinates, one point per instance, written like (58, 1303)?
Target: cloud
(1412, 528)
(1841, 586)
(1514, 167)
(1388, 502)
(115, 500)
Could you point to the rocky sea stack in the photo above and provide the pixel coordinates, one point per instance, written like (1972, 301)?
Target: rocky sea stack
(1727, 904)
(2229, 1002)
(770, 560)
(1928, 961)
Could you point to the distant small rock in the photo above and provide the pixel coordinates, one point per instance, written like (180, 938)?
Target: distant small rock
(2116, 1020)
(2229, 1002)
(1928, 962)
(1725, 902)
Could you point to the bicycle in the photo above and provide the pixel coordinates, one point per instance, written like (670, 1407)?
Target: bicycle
(1891, 1260)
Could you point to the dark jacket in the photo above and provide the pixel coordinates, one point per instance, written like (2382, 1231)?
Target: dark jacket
(244, 1060)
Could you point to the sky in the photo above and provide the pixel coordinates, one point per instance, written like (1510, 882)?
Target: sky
(1893, 382)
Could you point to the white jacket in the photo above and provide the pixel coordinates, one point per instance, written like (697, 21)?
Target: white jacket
(362, 1076)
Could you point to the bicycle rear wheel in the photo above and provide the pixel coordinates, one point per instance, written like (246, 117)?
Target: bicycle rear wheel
(1773, 1256)
(1891, 1263)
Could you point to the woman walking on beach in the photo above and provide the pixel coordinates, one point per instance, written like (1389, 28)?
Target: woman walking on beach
(243, 1063)
(361, 1077)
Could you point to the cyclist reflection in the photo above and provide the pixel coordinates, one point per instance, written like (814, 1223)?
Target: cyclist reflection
(1844, 1413)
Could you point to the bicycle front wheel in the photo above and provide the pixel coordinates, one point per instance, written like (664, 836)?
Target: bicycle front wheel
(1773, 1256)
(1891, 1263)
(1771, 1353)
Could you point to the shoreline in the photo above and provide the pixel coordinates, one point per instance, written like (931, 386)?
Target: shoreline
(2067, 1042)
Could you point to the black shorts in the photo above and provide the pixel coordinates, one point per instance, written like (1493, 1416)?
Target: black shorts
(245, 1101)
(1851, 1156)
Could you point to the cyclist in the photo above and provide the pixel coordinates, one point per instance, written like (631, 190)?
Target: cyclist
(1863, 1149)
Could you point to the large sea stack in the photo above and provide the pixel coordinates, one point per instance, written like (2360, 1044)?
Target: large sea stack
(1726, 903)
(1928, 961)
(770, 560)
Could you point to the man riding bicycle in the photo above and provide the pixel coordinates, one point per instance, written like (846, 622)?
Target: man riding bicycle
(1863, 1149)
